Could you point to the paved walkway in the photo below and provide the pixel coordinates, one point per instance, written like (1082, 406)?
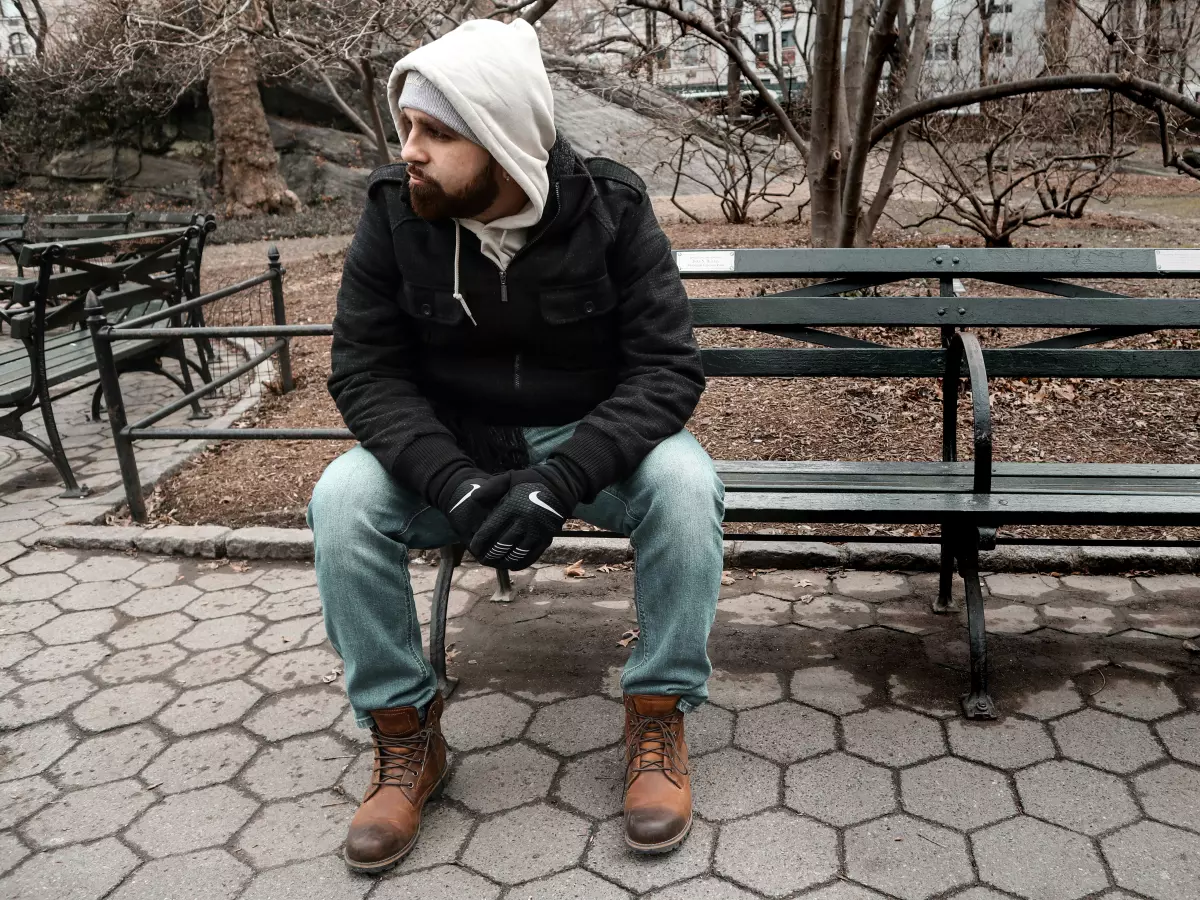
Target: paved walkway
(178, 728)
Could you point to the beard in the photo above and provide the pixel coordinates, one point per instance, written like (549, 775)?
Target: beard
(431, 201)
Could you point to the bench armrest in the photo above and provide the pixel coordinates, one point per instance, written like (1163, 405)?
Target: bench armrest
(967, 345)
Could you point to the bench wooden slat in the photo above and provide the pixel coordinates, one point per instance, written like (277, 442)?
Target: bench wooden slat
(963, 509)
(80, 362)
(937, 312)
(904, 363)
(935, 469)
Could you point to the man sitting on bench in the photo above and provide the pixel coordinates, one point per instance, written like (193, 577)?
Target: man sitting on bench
(512, 347)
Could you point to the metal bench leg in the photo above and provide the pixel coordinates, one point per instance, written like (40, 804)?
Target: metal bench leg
(944, 602)
(504, 588)
(55, 451)
(198, 412)
(978, 703)
(451, 556)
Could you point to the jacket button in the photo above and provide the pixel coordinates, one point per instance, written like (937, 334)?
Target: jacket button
(589, 307)
(426, 310)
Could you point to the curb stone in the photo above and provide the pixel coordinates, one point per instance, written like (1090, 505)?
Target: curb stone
(212, 541)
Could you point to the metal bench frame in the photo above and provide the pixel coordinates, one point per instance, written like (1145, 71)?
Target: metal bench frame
(968, 500)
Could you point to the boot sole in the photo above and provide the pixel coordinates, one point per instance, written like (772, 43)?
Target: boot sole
(382, 865)
(665, 846)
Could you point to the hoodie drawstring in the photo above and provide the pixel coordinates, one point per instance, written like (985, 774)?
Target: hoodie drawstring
(457, 252)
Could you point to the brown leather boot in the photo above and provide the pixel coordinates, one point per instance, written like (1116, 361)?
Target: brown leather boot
(410, 768)
(658, 788)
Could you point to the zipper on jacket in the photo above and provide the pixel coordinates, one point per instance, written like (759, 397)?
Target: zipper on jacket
(503, 285)
(517, 372)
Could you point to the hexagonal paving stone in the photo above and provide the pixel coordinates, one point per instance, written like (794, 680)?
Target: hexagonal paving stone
(305, 601)
(123, 705)
(298, 766)
(95, 595)
(282, 580)
(1077, 618)
(209, 707)
(42, 561)
(157, 574)
(292, 830)
(60, 661)
(108, 757)
(1173, 623)
(314, 879)
(214, 633)
(1039, 861)
(530, 842)
(833, 613)
(208, 874)
(15, 647)
(444, 830)
(785, 732)
(573, 884)
(218, 604)
(491, 780)
(74, 628)
(594, 784)
(708, 728)
(26, 616)
(151, 630)
(893, 736)
(729, 783)
(830, 688)
(87, 814)
(221, 581)
(906, 858)
(1075, 796)
(1049, 702)
(484, 721)
(21, 799)
(1155, 860)
(910, 617)
(1182, 737)
(872, 586)
(43, 700)
(777, 852)
(141, 662)
(1111, 588)
(1137, 697)
(299, 668)
(790, 584)
(30, 750)
(212, 815)
(82, 872)
(216, 665)
(105, 568)
(12, 851)
(839, 789)
(159, 600)
(1008, 744)
(1187, 585)
(743, 691)
(288, 635)
(1171, 794)
(1030, 588)
(442, 883)
(704, 888)
(1106, 741)
(200, 761)
(1011, 618)
(574, 726)
(303, 712)
(24, 588)
(610, 857)
(755, 609)
(959, 794)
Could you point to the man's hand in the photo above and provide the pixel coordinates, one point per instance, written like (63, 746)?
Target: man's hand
(466, 503)
(524, 522)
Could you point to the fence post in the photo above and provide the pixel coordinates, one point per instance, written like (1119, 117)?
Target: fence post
(110, 384)
(285, 353)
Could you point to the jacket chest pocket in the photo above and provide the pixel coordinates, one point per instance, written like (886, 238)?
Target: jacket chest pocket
(577, 303)
(431, 305)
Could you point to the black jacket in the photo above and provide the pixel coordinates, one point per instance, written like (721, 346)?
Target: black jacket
(591, 322)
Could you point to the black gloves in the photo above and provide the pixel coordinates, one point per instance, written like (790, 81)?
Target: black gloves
(467, 501)
(524, 522)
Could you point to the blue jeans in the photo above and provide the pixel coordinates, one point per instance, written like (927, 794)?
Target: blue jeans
(364, 524)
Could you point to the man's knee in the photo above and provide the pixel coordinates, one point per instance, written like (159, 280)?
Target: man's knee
(682, 479)
(348, 487)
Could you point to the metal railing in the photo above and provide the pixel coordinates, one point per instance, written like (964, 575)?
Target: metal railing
(125, 433)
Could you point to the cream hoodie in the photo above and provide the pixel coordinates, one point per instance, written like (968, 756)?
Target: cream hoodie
(493, 75)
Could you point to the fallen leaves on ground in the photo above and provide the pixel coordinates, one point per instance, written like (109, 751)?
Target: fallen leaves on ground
(576, 570)
(628, 637)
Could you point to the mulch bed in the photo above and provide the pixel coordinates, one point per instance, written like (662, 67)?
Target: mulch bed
(245, 483)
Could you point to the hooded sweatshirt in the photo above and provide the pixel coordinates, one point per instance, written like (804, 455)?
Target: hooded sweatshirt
(493, 76)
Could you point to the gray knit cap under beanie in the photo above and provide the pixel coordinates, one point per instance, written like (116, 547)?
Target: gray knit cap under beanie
(421, 93)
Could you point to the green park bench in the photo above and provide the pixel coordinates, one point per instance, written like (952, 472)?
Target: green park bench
(48, 312)
(967, 500)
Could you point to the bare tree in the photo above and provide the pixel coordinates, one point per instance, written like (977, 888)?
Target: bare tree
(33, 17)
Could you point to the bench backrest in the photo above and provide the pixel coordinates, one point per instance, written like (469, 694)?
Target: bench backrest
(13, 225)
(72, 226)
(803, 313)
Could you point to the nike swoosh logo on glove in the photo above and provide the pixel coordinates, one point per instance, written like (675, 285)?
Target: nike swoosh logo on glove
(537, 501)
(466, 496)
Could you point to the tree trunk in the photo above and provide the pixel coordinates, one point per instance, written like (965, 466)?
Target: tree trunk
(383, 154)
(985, 39)
(733, 75)
(247, 166)
(1153, 31)
(856, 50)
(1060, 16)
(825, 156)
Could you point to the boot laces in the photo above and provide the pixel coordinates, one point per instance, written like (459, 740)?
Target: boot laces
(400, 758)
(652, 747)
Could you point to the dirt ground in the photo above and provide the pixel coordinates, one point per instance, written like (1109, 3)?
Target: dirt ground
(269, 483)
